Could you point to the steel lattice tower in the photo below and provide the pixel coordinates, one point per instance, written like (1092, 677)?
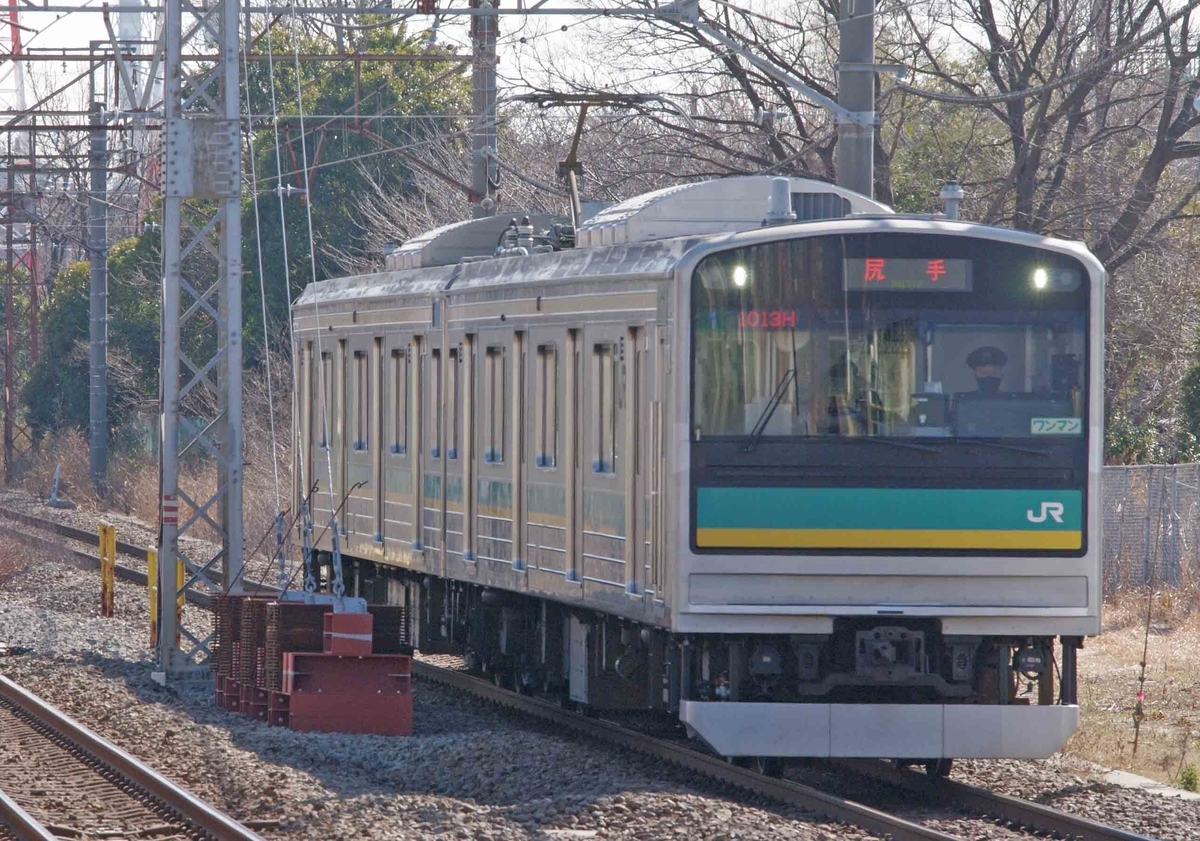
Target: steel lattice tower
(202, 295)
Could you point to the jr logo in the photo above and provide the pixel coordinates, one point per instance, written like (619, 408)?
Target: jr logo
(1054, 510)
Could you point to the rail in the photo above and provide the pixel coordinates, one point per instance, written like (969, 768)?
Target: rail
(130, 549)
(1012, 810)
(183, 803)
(784, 791)
(19, 824)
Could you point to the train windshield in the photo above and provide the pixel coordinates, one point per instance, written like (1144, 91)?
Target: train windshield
(892, 335)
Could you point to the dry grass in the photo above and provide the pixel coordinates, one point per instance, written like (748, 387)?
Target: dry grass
(68, 451)
(132, 487)
(1109, 668)
(13, 558)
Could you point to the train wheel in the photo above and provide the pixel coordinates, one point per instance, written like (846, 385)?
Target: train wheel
(768, 766)
(562, 697)
(939, 768)
(902, 764)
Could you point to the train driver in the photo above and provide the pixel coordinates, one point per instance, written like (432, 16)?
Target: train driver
(987, 364)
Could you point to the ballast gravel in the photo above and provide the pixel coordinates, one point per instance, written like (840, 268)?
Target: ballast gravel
(469, 771)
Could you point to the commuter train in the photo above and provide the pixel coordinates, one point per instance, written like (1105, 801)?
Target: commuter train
(817, 478)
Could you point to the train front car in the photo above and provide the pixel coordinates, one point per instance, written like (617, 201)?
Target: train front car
(890, 544)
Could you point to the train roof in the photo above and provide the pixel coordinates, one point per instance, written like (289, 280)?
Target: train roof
(457, 257)
(646, 260)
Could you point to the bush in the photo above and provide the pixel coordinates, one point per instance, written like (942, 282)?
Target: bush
(1189, 778)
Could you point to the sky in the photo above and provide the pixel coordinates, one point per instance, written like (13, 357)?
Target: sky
(526, 43)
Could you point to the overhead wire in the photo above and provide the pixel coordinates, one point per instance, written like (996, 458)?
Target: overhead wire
(262, 287)
(531, 181)
(742, 10)
(416, 144)
(312, 256)
(287, 269)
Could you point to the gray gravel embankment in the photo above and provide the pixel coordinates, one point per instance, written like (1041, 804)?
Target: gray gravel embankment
(470, 771)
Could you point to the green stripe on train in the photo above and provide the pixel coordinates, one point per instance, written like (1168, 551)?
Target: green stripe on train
(888, 508)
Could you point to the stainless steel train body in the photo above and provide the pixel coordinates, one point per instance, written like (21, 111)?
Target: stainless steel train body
(745, 475)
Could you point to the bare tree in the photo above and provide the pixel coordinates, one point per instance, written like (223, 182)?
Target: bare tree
(1095, 103)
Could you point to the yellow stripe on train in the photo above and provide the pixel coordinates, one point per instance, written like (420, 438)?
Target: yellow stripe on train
(886, 539)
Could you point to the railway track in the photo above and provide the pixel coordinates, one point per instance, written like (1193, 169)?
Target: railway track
(1010, 811)
(60, 780)
(18, 825)
(1002, 809)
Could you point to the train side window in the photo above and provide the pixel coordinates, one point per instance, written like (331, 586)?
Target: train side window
(362, 398)
(400, 401)
(604, 389)
(454, 399)
(546, 407)
(436, 374)
(326, 391)
(495, 401)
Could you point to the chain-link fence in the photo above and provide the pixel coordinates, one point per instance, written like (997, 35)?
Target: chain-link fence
(1151, 525)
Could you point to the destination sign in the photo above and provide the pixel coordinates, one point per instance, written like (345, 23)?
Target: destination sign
(767, 319)
(904, 274)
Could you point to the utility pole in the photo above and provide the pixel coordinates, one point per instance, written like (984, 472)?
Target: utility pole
(854, 109)
(35, 267)
(484, 172)
(9, 343)
(202, 199)
(856, 93)
(98, 264)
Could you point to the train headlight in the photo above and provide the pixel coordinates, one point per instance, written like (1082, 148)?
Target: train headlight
(1055, 280)
(740, 276)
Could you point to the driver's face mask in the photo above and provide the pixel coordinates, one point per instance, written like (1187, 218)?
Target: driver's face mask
(989, 385)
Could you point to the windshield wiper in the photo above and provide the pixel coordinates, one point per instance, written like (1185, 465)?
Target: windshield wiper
(1033, 451)
(760, 425)
(892, 442)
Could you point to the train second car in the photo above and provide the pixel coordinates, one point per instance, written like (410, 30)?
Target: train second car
(822, 487)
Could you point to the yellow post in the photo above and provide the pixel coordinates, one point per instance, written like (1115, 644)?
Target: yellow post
(180, 579)
(152, 589)
(108, 564)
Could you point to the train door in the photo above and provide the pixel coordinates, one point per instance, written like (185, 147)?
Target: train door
(398, 489)
(520, 413)
(493, 531)
(418, 351)
(657, 461)
(377, 438)
(340, 445)
(358, 514)
(605, 462)
(572, 468)
(433, 454)
(324, 420)
(304, 404)
(453, 452)
(635, 480)
(545, 487)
